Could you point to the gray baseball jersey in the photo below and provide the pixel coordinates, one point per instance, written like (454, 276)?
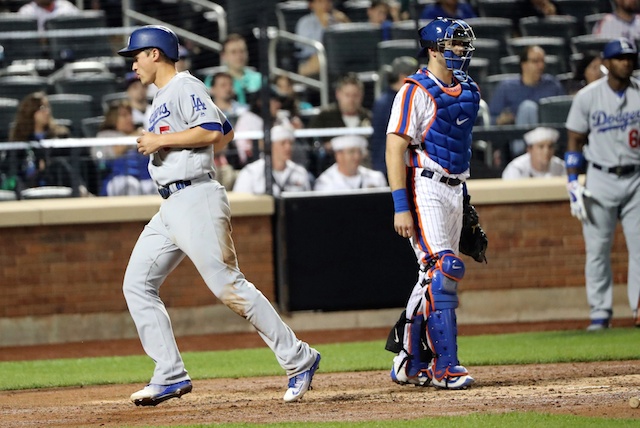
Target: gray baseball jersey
(612, 121)
(195, 221)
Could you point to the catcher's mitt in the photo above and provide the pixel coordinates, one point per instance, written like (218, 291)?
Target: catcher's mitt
(473, 240)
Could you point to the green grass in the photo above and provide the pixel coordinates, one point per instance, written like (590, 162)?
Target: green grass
(522, 348)
(505, 420)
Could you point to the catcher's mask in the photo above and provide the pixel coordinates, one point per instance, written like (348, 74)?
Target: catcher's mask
(457, 45)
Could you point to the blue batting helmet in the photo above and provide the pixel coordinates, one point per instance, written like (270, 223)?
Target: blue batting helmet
(432, 33)
(152, 36)
(618, 47)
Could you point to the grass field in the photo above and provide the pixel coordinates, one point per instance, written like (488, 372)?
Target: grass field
(509, 349)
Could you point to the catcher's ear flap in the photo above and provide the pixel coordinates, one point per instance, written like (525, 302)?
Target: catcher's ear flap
(396, 335)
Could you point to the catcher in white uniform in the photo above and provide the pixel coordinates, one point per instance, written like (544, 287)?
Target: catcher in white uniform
(194, 221)
(604, 129)
(347, 173)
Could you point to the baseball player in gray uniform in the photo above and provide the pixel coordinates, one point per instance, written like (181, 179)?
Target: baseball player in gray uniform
(604, 129)
(194, 220)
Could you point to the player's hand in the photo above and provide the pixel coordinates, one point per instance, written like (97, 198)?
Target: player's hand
(577, 193)
(403, 224)
(148, 143)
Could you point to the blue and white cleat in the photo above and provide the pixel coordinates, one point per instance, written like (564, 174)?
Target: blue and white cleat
(301, 383)
(154, 394)
(399, 374)
(455, 377)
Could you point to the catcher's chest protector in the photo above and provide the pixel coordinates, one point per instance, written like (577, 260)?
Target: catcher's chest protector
(448, 139)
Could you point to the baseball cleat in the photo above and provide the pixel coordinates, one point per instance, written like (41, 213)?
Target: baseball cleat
(154, 394)
(455, 377)
(399, 376)
(301, 383)
(599, 324)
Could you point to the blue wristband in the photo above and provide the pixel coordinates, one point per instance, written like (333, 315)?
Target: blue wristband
(400, 200)
(573, 160)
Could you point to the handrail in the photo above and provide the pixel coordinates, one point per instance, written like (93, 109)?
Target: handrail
(129, 14)
(322, 84)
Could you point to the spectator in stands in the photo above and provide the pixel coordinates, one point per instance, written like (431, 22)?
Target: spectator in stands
(291, 101)
(346, 112)
(287, 175)
(588, 69)
(448, 9)
(312, 26)
(542, 8)
(128, 172)
(623, 21)
(40, 166)
(379, 13)
(43, 10)
(539, 161)
(515, 101)
(235, 56)
(138, 98)
(347, 173)
(224, 97)
(184, 59)
(509, 105)
(401, 67)
(251, 120)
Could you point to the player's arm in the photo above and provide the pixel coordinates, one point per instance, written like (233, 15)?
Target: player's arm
(192, 138)
(573, 157)
(397, 173)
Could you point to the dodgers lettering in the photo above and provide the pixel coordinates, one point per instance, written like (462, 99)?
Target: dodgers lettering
(621, 120)
(158, 114)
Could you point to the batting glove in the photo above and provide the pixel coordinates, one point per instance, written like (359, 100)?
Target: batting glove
(577, 193)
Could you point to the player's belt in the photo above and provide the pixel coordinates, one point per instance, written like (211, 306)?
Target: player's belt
(169, 189)
(446, 180)
(619, 170)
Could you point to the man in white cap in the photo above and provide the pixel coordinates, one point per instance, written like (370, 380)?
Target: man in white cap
(539, 161)
(347, 173)
(287, 175)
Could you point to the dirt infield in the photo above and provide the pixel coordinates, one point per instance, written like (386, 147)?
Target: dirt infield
(591, 389)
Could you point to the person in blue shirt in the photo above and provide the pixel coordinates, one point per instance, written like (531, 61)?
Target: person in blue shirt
(400, 68)
(448, 9)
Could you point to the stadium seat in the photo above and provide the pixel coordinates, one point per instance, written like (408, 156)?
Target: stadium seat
(74, 107)
(356, 10)
(351, 47)
(289, 12)
(564, 26)
(497, 28)
(91, 126)
(479, 70)
(406, 29)
(95, 85)
(23, 47)
(578, 8)
(71, 48)
(389, 50)
(590, 21)
(510, 9)
(8, 109)
(554, 110)
(492, 81)
(20, 86)
(588, 42)
(489, 49)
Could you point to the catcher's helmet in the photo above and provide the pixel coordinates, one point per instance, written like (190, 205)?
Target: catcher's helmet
(432, 33)
(152, 36)
(443, 34)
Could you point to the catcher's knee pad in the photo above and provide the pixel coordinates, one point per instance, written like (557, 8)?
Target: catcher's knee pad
(442, 300)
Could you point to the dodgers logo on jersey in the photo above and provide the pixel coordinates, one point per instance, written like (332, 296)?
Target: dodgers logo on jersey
(197, 104)
(158, 114)
(620, 120)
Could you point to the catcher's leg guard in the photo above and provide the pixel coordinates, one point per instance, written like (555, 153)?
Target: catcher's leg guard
(411, 365)
(442, 331)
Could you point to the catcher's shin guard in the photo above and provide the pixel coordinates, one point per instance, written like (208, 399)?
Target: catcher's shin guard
(442, 331)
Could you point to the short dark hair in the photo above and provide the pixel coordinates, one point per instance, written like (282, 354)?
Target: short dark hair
(220, 74)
